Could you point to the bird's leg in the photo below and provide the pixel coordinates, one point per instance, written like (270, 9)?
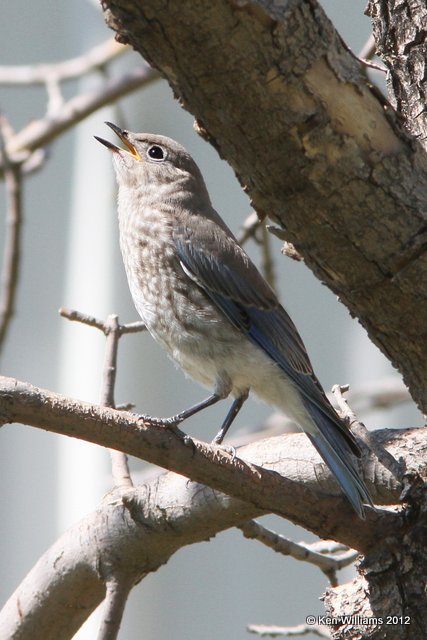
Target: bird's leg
(187, 413)
(234, 410)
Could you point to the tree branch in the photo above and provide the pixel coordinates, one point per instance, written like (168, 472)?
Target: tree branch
(326, 563)
(116, 596)
(92, 60)
(42, 132)
(296, 496)
(130, 535)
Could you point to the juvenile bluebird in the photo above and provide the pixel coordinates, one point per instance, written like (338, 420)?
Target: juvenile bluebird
(206, 303)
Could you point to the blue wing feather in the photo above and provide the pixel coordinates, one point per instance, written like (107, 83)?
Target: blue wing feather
(225, 273)
(236, 287)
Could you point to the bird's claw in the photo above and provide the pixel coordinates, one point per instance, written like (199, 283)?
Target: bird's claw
(159, 422)
(227, 448)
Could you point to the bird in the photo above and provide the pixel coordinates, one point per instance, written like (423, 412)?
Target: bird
(205, 302)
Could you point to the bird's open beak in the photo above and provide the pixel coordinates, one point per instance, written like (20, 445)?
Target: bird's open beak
(123, 137)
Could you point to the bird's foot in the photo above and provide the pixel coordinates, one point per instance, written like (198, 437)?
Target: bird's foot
(172, 422)
(226, 447)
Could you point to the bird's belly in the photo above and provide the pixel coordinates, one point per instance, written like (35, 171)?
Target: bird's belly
(188, 326)
(215, 352)
(204, 343)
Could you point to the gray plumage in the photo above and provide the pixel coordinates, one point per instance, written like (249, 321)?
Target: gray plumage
(206, 303)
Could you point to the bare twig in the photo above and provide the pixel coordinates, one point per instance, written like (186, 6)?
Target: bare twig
(77, 316)
(366, 54)
(373, 65)
(368, 49)
(347, 413)
(267, 259)
(299, 630)
(362, 432)
(248, 228)
(43, 131)
(91, 321)
(51, 75)
(132, 327)
(119, 460)
(113, 331)
(288, 248)
(329, 565)
(325, 546)
(114, 604)
(90, 61)
(12, 245)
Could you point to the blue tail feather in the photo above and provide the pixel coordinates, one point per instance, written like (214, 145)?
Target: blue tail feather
(335, 451)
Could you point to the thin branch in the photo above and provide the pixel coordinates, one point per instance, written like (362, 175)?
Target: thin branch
(368, 49)
(91, 321)
(78, 316)
(288, 248)
(43, 131)
(329, 565)
(373, 65)
(95, 58)
(51, 75)
(366, 54)
(267, 258)
(248, 228)
(113, 331)
(289, 632)
(132, 327)
(119, 460)
(325, 546)
(362, 432)
(12, 242)
(114, 605)
(347, 413)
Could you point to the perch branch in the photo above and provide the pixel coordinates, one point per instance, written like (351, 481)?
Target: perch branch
(295, 496)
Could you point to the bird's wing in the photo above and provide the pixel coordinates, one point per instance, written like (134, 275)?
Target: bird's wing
(217, 264)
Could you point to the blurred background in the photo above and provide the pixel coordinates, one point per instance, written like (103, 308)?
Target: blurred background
(71, 258)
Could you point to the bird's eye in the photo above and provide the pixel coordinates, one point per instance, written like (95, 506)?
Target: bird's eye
(156, 153)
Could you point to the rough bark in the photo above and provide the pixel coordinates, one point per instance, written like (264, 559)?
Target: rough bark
(293, 493)
(136, 530)
(276, 91)
(400, 30)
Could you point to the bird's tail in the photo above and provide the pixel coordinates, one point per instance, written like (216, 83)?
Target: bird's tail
(332, 445)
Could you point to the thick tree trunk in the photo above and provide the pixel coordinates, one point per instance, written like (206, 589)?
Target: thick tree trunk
(276, 91)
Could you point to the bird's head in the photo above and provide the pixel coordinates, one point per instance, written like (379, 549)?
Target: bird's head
(152, 159)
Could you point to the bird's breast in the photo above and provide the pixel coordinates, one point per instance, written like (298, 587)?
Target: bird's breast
(175, 310)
